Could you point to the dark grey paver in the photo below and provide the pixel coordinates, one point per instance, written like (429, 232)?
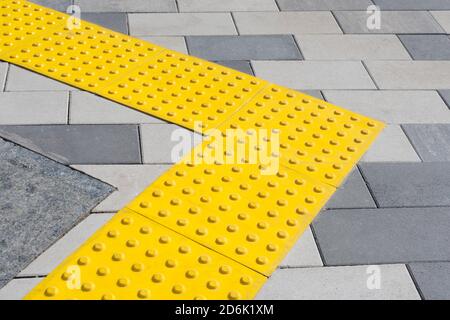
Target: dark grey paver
(60, 5)
(427, 47)
(304, 5)
(40, 201)
(243, 66)
(408, 184)
(257, 47)
(79, 144)
(380, 236)
(431, 141)
(115, 21)
(413, 4)
(352, 194)
(433, 279)
(399, 22)
(445, 94)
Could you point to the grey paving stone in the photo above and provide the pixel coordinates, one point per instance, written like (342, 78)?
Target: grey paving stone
(433, 279)
(445, 94)
(410, 74)
(130, 180)
(60, 5)
(243, 66)
(352, 47)
(427, 47)
(391, 22)
(352, 194)
(3, 71)
(41, 200)
(61, 249)
(304, 253)
(229, 5)
(408, 184)
(285, 22)
(33, 108)
(391, 145)
(339, 283)
(127, 6)
(315, 74)
(87, 108)
(375, 236)
(180, 24)
(258, 47)
(430, 141)
(166, 143)
(17, 289)
(413, 4)
(173, 43)
(79, 144)
(115, 21)
(305, 5)
(394, 107)
(20, 79)
(443, 18)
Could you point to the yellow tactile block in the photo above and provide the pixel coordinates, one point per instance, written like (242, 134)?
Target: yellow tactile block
(132, 257)
(235, 209)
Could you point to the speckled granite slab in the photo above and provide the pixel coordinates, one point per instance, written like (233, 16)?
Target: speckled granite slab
(40, 200)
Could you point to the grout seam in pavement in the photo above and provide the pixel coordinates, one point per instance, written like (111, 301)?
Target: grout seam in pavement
(413, 279)
(140, 143)
(127, 23)
(8, 66)
(337, 21)
(177, 5)
(316, 240)
(234, 23)
(411, 142)
(302, 56)
(370, 75)
(69, 103)
(368, 186)
(404, 46)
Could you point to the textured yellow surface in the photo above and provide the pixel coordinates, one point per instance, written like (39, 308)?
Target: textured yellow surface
(241, 213)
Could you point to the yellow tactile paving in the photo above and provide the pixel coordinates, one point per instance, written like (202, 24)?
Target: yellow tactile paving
(243, 210)
(234, 209)
(132, 257)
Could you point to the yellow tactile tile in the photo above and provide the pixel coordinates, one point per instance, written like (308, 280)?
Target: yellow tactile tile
(235, 209)
(316, 138)
(132, 257)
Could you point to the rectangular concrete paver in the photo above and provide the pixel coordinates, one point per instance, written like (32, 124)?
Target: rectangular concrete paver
(352, 194)
(3, 71)
(127, 6)
(179, 24)
(376, 236)
(433, 279)
(33, 108)
(114, 20)
(391, 145)
(60, 5)
(20, 79)
(307, 5)
(228, 5)
(432, 141)
(130, 180)
(79, 144)
(443, 18)
(394, 107)
(427, 47)
(257, 47)
(445, 94)
(17, 289)
(409, 184)
(391, 22)
(87, 108)
(166, 143)
(53, 256)
(304, 253)
(351, 47)
(315, 74)
(410, 74)
(340, 283)
(240, 65)
(173, 43)
(413, 4)
(285, 22)
(40, 201)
